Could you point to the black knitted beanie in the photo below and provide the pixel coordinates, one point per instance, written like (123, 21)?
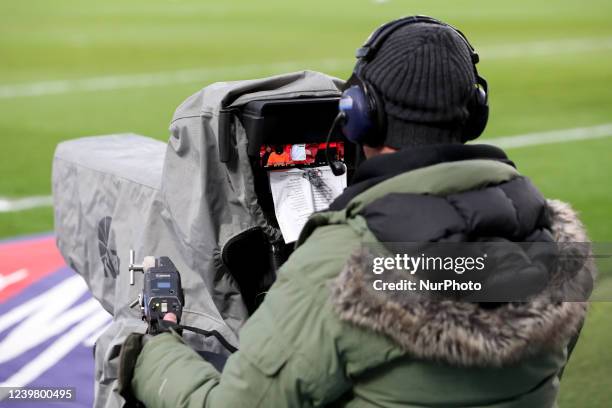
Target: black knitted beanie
(425, 77)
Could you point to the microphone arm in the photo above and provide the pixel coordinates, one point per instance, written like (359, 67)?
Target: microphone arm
(337, 167)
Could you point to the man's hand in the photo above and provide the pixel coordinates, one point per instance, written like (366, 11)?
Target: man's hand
(130, 350)
(170, 317)
(168, 324)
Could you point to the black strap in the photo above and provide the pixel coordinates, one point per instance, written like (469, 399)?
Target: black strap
(208, 333)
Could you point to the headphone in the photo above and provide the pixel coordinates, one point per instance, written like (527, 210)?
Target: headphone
(362, 117)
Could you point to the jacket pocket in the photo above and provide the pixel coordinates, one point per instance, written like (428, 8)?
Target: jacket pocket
(262, 344)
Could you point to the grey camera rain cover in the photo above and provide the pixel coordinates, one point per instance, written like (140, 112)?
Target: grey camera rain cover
(117, 192)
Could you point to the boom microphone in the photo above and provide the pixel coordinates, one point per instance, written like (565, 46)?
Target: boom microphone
(337, 167)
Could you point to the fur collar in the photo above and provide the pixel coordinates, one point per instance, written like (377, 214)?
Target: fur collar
(466, 334)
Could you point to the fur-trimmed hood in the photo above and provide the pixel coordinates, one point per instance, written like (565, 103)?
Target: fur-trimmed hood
(468, 334)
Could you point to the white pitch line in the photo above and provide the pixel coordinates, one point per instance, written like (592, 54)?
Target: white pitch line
(507, 142)
(552, 136)
(145, 80)
(545, 48)
(25, 203)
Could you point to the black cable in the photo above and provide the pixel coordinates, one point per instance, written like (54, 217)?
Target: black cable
(208, 333)
(337, 167)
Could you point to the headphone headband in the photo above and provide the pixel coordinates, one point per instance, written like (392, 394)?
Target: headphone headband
(369, 49)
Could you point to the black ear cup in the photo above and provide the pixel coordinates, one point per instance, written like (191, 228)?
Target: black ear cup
(478, 111)
(364, 117)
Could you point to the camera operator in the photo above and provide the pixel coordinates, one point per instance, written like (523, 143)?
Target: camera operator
(321, 337)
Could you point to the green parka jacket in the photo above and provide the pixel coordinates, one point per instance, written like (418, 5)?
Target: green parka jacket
(322, 337)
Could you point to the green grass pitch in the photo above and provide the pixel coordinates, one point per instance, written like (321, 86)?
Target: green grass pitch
(549, 65)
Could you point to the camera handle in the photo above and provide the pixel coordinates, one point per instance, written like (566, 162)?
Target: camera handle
(148, 262)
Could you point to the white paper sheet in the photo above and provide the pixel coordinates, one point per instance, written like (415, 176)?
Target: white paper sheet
(297, 193)
(298, 152)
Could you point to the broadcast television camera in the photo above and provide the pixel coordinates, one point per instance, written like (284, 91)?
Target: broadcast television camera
(203, 200)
